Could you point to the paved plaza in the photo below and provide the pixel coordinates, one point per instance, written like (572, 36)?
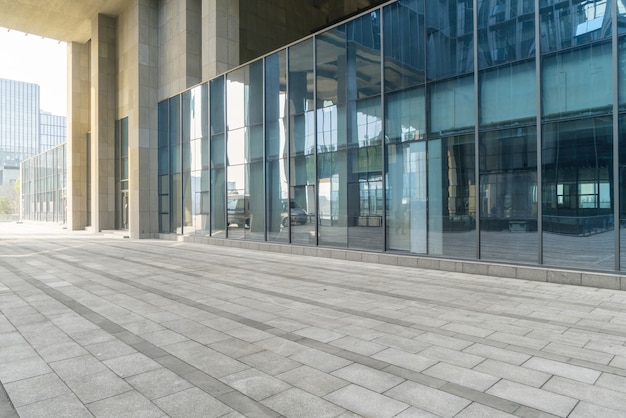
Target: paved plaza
(99, 325)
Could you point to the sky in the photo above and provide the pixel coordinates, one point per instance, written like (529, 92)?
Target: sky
(36, 60)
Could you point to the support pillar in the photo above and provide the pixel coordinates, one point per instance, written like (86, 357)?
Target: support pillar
(103, 114)
(78, 126)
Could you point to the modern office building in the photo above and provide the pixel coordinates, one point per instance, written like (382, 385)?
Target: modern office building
(483, 131)
(25, 130)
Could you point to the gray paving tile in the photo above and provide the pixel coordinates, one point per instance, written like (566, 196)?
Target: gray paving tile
(23, 369)
(462, 376)
(163, 337)
(312, 380)
(586, 410)
(132, 364)
(269, 362)
(158, 383)
(295, 403)
(319, 334)
(409, 361)
(77, 366)
(236, 348)
(60, 407)
(358, 345)
(611, 381)
(452, 356)
(255, 384)
(477, 410)
(366, 402)
(320, 360)
(579, 353)
(428, 399)
(210, 361)
(593, 394)
(96, 386)
(127, 405)
(581, 374)
(192, 403)
(541, 399)
(110, 349)
(514, 373)
(495, 353)
(372, 379)
(61, 351)
(17, 352)
(35, 389)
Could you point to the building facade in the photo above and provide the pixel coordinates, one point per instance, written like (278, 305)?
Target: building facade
(475, 130)
(481, 130)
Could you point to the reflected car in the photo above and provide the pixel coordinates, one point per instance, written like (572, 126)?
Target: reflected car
(238, 211)
(296, 213)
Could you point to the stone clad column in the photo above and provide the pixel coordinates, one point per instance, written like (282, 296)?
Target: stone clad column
(78, 125)
(220, 37)
(103, 115)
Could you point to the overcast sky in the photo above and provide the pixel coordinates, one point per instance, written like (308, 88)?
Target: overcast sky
(36, 60)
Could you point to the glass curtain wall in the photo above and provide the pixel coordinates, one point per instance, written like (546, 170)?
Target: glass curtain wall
(280, 214)
(245, 153)
(195, 143)
(507, 139)
(429, 137)
(218, 159)
(405, 126)
(451, 147)
(577, 138)
(302, 165)
(621, 16)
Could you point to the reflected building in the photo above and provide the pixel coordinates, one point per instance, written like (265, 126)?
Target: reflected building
(467, 130)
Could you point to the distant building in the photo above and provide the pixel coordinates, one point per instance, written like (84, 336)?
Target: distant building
(25, 130)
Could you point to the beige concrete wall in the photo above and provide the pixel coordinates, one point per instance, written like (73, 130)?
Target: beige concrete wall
(78, 125)
(220, 37)
(103, 116)
(180, 45)
(137, 100)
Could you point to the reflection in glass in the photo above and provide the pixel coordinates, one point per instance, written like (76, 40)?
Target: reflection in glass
(508, 195)
(507, 94)
(578, 82)
(450, 39)
(566, 23)
(578, 194)
(452, 105)
(276, 147)
(506, 31)
(164, 167)
(452, 197)
(332, 90)
(365, 135)
(218, 159)
(245, 149)
(406, 171)
(302, 141)
(404, 43)
(622, 191)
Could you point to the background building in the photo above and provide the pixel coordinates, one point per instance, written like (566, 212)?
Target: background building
(464, 129)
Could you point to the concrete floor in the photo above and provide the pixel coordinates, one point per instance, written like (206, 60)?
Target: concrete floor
(96, 325)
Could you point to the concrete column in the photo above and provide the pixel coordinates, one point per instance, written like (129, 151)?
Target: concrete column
(103, 116)
(220, 37)
(78, 112)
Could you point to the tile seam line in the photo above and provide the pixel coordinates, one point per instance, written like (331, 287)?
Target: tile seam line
(387, 294)
(61, 298)
(262, 326)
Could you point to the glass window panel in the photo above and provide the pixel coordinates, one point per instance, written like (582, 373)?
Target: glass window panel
(406, 197)
(578, 82)
(449, 48)
(452, 197)
(301, 77)
(363, 56)
(174, 120)
(622, 190)
(332, 86)
(622, 70)
(508, 195)
(218, 160)
(278, 211)
(452, 105)
(508, 94)
(217, 106)
(404, 41)
(506, 31)
(577, 218)
(565, 23)
(405, 116)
